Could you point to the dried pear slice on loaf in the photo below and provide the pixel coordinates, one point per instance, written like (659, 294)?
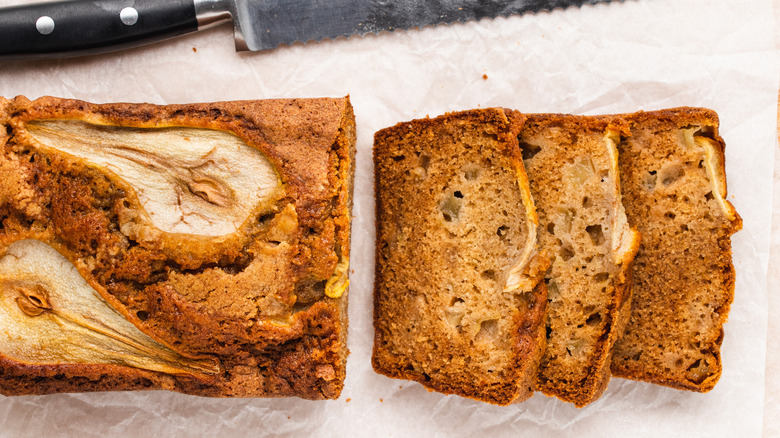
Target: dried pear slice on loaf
(51, 316)
(573, 171)
(674, 185)
(212, 235)
(458, 302)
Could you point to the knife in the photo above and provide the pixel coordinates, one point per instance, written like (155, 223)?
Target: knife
(74, 28)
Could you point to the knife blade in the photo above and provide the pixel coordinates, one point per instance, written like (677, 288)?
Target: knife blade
(84, 27)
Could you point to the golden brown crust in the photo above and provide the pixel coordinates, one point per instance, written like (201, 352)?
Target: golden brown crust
(254, 299)
(683, 277)
(442, 314)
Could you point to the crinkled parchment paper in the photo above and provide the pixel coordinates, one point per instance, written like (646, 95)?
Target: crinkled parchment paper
(621, 57)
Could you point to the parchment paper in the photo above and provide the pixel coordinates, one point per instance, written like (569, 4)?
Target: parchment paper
(622, 57)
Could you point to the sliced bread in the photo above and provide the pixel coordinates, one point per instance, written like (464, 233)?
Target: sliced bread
(458, 303)
(674, 185)
(573, 171)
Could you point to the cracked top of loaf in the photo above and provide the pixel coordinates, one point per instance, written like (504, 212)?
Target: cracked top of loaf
(209, 246)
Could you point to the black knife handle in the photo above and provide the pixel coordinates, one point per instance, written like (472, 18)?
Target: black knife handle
(71, 28)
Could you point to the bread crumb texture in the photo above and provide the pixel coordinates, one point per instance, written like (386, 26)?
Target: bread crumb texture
(208, 245)
(674, 184)
(572, 166)
(454, 219)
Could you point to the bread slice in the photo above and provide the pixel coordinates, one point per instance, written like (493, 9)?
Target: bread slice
(674, 185)
(458, 301)
(573, 171)
(199, 248)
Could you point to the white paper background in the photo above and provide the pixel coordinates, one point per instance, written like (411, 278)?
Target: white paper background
(622, 57)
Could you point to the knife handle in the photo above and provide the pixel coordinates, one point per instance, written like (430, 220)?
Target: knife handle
(73, 28)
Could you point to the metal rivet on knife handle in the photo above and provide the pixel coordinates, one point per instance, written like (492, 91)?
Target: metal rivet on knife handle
(44, 25)
(129, 16)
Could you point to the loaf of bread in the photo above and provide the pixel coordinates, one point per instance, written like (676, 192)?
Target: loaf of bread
(199, 248)
(674, 189)
(458, 301)
(573, 172)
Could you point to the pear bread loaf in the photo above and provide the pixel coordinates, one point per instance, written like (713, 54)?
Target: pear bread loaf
(572, 167)
(199, 248)
(674, 189)
(458, 300)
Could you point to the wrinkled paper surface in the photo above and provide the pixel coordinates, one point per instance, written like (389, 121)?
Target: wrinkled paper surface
(621, 57)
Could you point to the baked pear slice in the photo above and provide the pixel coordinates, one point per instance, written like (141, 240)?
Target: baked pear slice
(50, 315)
